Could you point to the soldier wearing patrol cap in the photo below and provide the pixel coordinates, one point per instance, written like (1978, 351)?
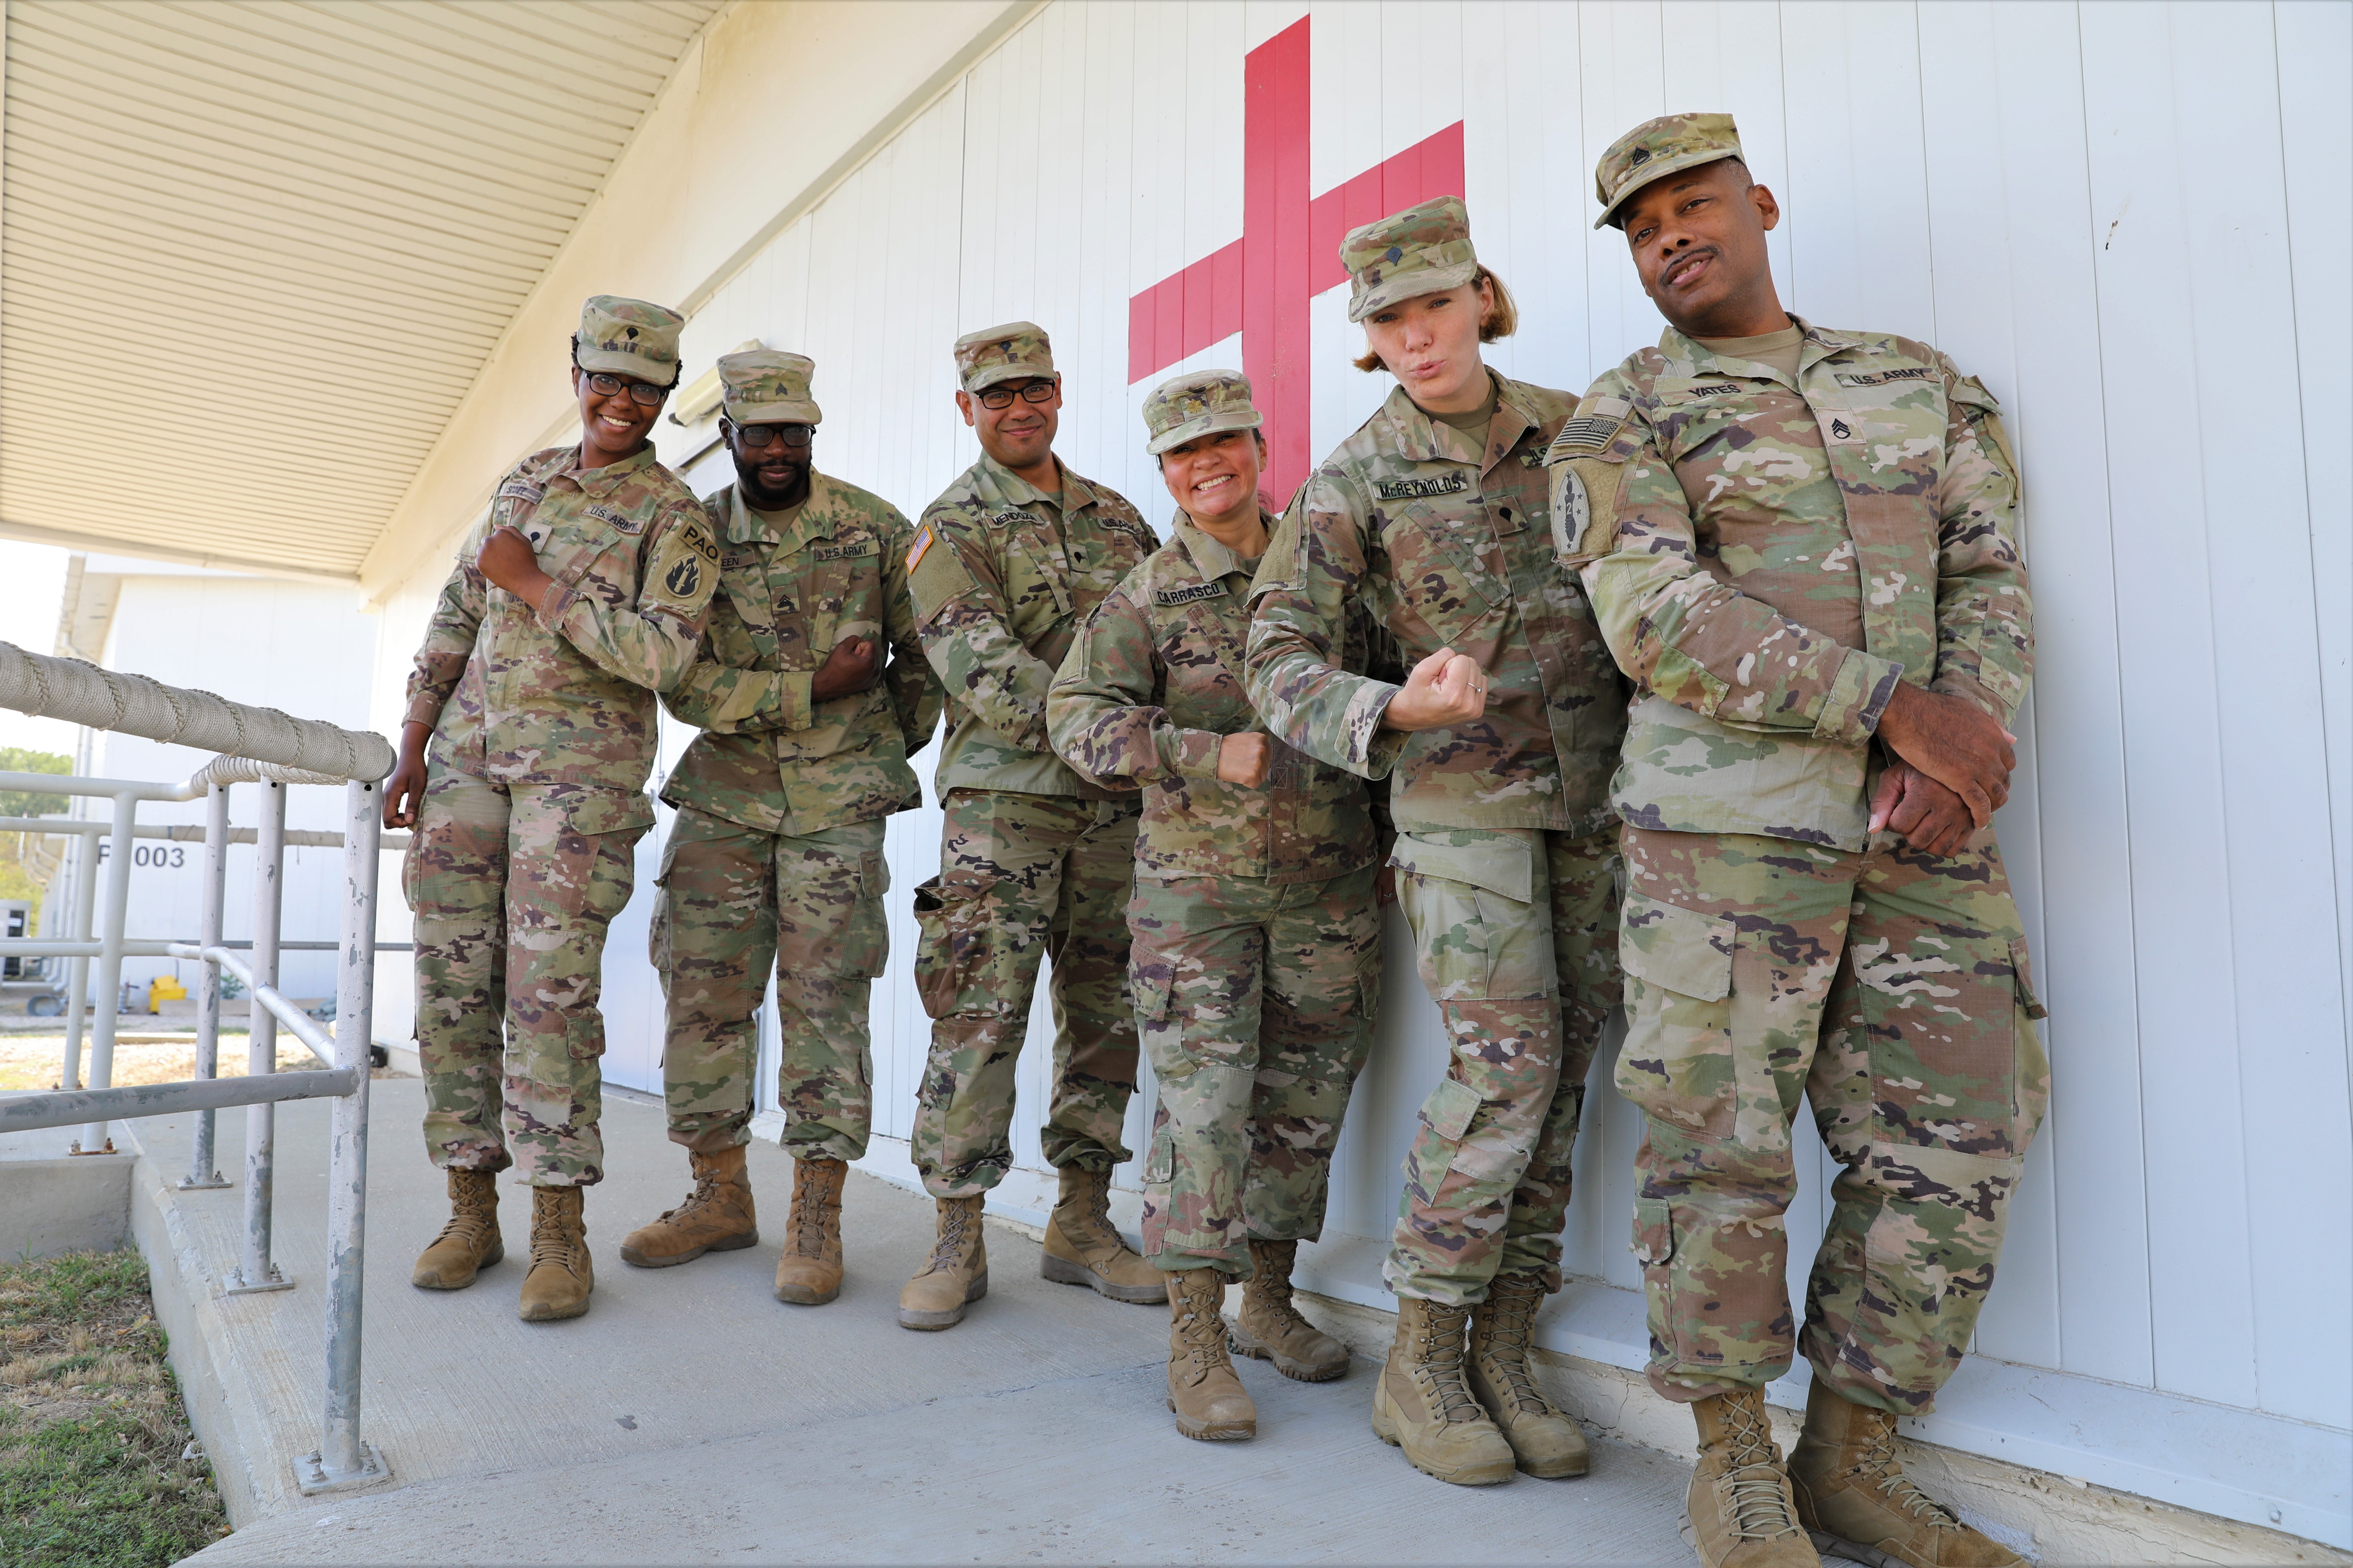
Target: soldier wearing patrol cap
(1801, 546)
(774, 861)
(579, 592)
(1256, 931)
(1034, 859)
(1497, 747)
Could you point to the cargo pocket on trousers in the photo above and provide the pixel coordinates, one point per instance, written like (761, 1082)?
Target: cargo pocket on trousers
(1654, 1231)
(949, 916)
(2030, 1068)
(866, 941)
(1677, 1062)
(1160, 1164)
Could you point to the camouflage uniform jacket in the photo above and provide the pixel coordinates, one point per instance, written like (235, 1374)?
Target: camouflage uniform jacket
(564, 693)
(1769, 560)
(769, 756)
(1448, 545)
(1001, 576)
(1149, 691)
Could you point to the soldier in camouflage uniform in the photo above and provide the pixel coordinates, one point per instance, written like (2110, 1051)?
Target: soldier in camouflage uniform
(579, 594)
(1035, 861)
(1800, 542)
(775, 858)
(1498, 748)
(1256, 938)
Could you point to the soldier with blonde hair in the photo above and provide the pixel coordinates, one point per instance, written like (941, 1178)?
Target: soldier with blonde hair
(577, 595)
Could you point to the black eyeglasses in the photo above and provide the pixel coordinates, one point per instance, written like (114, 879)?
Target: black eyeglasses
(758, 436)
(644, 394)
(1002, 396)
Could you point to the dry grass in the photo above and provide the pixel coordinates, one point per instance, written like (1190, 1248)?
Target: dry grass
(97, 1462)
(31, 1061)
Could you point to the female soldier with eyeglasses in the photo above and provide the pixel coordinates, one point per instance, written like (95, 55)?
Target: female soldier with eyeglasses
(579, 593)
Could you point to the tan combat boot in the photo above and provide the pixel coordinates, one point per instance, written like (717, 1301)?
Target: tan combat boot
(1269, 1327)
(470, 1242)
(1423, 1406)
(560, 1274)
(1545, 1439)
(955, 1276)
(1853, 1496)
(1208, 1399)
(1740, 1513)
(715, 1217)
(809, 1273)
(1081, 1248)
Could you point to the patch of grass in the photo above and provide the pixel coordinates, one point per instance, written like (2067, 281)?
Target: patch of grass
(97, 1463)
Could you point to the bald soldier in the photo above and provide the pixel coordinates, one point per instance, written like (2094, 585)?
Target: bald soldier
(579, 594)
(1800, 545)
(1034, 859)
(774, 861)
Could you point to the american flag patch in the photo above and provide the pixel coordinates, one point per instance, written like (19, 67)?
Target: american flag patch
(1590, 434)
(922, 542)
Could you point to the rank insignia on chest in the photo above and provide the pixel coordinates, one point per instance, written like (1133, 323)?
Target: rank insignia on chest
(1421, 489)
(1199, 590)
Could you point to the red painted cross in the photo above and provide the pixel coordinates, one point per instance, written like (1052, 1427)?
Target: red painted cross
(1289, 252)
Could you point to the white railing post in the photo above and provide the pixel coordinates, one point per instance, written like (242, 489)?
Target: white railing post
(84, 894)
(201, 1172)
(94, 1140)
(344, 1459)
(256, 1272)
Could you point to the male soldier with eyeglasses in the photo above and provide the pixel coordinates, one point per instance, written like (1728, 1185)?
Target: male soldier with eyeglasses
(1034, 859)
(775, 859)
(579, 593)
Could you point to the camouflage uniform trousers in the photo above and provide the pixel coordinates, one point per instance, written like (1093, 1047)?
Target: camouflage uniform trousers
(1256, 1004)
(1891, 989)
(1515, 933)
(1024, 877)
(512, 904)
(734, 902)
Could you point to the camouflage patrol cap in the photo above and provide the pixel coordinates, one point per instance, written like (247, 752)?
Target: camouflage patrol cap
(766, 386)
(1197, 403)
(1405, 255)
(1015, 350)
(1658, 147)
(628, 337)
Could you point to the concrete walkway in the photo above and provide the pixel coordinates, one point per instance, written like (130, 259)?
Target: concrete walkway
(689, 1417)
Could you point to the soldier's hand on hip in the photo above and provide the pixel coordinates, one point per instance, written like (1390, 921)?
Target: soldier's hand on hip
(1954, 743)
(1244, 759)
(854, 665)
(1446, 688)
(404, 788)
(509, 561)
(1931, 818)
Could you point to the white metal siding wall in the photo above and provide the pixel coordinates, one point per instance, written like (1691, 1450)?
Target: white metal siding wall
(2132, 221)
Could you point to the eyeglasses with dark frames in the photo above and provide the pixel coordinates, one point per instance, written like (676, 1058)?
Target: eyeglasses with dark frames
(644, 394)
(758, 436)
(1036, 392)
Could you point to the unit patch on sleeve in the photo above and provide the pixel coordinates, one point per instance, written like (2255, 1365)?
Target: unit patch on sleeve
(1421, 489)
(1188, 596)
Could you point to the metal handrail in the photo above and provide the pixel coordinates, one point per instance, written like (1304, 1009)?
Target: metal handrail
(295, 751)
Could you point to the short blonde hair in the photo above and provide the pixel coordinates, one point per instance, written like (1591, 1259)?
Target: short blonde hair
(1501, 321)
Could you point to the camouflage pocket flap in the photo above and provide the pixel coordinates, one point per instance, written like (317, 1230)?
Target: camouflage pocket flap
(2022, 968)
(1499, 862)
(610, 811)
(1449, 1108)
(1655, 1230)
(1151, 989)
(1677, 949)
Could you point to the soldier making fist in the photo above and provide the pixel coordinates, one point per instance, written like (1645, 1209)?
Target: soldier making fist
(775, 862)
(1497, 749)
(1257, 937)
(1800, 543)
(1034, 859)
(579, 594)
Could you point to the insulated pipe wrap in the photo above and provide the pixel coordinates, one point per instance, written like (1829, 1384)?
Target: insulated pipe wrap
(82, 693)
